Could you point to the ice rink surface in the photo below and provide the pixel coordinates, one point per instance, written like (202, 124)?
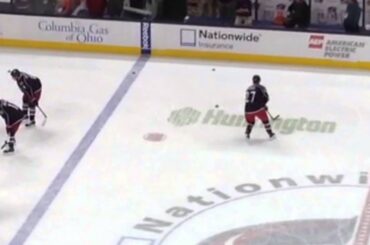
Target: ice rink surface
(171, 166)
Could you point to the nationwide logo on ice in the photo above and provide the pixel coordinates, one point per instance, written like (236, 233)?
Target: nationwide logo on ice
(303, 213)
(316, 41)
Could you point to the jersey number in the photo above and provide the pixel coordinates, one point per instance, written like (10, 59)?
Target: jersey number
(251, 96)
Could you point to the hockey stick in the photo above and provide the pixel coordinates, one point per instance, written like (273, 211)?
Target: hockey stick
(5, 144)
(43, 114)
(273, 118)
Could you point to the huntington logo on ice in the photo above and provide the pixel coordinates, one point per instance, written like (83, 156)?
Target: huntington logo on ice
(218, 117)
(185, 116)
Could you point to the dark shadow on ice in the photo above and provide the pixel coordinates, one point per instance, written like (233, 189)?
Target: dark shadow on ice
(258, 141)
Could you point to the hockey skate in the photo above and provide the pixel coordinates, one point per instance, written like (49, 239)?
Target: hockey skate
(9, 148)
(30, 124)
(272, 135)
(248, 131)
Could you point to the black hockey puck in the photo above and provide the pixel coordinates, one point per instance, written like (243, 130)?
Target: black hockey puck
(216, 106)
(213, 69)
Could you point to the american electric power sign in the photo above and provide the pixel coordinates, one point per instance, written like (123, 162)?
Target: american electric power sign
(336, 47)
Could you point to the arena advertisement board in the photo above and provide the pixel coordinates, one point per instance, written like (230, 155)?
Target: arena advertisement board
(180, 40)
(339, 47)
(205, 38)
(260, 42)
(70, 30)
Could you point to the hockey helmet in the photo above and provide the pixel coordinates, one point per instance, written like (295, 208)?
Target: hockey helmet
(15, 73)
(256, 79)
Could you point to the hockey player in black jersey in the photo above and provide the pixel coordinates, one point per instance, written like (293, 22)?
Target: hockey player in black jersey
(255, 106)
(13, 116)
(31, 88)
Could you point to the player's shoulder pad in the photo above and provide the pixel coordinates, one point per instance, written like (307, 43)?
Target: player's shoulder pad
(251, 87)
(22, 75)
(263, 88)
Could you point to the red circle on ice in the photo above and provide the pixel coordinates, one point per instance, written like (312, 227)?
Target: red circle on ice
(154, 137)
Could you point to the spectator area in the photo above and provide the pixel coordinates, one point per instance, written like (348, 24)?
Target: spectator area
(324, 16)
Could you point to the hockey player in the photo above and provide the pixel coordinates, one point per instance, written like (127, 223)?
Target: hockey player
(255, 106)
(31, 88)
(13, 116)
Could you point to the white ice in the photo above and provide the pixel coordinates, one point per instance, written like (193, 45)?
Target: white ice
(124, 178)
(75, 90)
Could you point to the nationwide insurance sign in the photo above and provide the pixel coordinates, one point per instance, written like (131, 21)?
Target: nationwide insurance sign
(215, 39)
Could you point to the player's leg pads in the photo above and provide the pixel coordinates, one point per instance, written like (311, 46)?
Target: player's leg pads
(268, 128)
(267, 125)
(12, 140)
(251, 119)
(248, 130)
(25, 108)
(32, 114)
(12, 129)
(262, 115)
(37, 96)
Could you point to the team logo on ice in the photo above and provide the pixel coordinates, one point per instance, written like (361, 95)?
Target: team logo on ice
(297, 232)
(279, 211)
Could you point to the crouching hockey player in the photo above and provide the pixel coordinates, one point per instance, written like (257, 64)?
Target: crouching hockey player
(255, 106)
(31, 88)
(13, 116)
